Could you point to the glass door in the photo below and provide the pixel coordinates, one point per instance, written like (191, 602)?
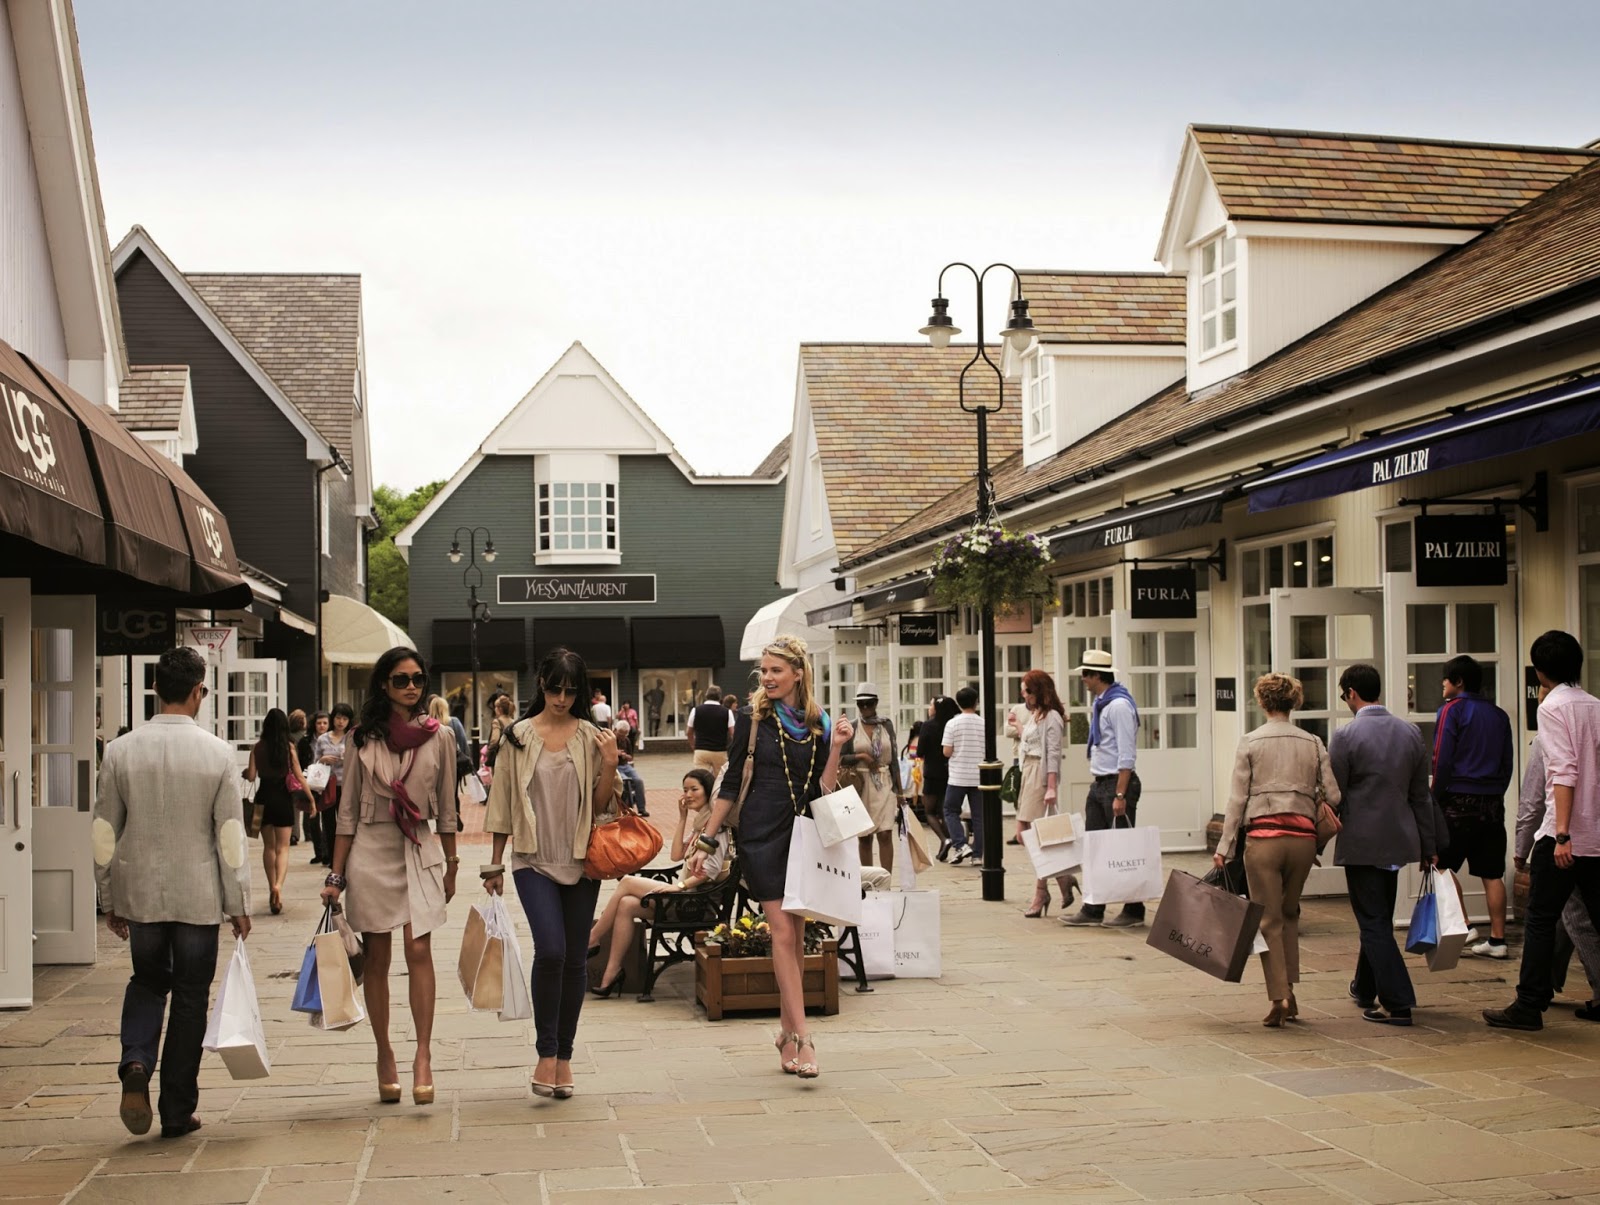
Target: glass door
(1071, 638)
(62, 690)
(1316, 635)
(1165, 663)
(16, 792)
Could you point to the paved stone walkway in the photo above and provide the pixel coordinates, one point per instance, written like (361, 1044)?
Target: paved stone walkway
(1047, 1065)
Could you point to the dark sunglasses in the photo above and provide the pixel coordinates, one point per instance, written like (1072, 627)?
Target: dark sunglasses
(204, 691)
(401, 681)
(561, 692)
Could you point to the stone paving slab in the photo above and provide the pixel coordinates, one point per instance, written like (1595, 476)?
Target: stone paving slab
(1047, 1065)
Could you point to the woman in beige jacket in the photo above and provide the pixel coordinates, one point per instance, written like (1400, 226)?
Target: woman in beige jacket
(1281, 774)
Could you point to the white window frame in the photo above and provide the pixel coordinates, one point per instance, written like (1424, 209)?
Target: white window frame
(1068, 589)
(1225, 264)
(555, 474)
(1278, 539)
(1040, 415)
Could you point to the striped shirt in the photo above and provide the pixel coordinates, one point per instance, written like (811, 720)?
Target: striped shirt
(963, 736)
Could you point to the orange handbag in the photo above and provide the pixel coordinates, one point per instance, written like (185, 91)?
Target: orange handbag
(621, 847)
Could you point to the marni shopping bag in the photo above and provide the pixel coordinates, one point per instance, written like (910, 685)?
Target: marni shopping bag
(823, 882)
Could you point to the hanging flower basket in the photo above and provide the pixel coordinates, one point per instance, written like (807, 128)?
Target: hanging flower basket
(989, 567)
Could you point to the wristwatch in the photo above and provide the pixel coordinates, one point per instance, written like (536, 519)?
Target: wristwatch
(1120, 795)
(1563, 838)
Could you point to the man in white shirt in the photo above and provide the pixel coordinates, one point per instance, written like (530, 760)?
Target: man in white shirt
(963, 745)
(1114, 791)
(600, 710)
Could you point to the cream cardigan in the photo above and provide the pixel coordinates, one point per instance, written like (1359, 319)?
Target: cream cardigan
(510, 808)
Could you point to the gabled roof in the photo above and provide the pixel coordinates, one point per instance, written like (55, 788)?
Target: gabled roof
(1306, 176)
(890, 432)
(775, 461)
(304, 330)
(152, 397)
(1543, 257)
(1105, 307)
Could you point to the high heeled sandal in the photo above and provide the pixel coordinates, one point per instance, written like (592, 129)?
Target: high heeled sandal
(1041, 903)
(276, 902)
(783, 1038)
(1275, 1018)
(1069, 890)
(806, 1070)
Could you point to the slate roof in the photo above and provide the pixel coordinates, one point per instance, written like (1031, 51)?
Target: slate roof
(890, 431)
(151, 397)
(774, 461)
(1105, 307)
(1306, 176)
(1542, 257)
(303, 329)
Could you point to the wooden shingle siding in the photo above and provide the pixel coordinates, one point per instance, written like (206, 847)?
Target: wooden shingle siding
(712, 549)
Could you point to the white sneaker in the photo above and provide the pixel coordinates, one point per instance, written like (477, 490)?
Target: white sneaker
(1491, 949)
(1473, 936)
(960, 855)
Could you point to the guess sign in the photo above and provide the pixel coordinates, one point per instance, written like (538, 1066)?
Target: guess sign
(1460, 550)
(1163, 593)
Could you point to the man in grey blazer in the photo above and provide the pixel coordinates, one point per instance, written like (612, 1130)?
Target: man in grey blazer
(169, 854)
(1381, 765)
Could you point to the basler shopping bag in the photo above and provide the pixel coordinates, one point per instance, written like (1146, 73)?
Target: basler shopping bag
(234, 1030)
(823, 881)
(1207, 927)
(481, 965)
(336, 982)
(876, 933)
(1121, 865)
(1422, 935)
(916, 935)
(1055, 847)
(841, 816)
(1452, 936)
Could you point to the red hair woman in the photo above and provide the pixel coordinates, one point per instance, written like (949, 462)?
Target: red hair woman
(1040, 747)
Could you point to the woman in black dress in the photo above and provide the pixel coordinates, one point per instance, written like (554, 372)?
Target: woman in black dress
(796, 761)
(272, 761)
(936, 766)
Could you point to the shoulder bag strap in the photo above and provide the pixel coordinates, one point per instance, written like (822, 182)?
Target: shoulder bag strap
(749, 769)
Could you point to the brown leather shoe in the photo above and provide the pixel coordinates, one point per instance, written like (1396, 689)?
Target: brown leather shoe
(135, 1110)
(179, 1130)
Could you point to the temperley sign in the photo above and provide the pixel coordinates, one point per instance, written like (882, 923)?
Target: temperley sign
(1460, 550)
(576, 588)
(1163, 593)
(919, 629)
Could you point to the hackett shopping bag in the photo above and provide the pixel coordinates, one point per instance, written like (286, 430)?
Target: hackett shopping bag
(876, 932)
(481, 966)
(823, 881)
(916, 935)
(1452, 924)
(840, 816)
(234, 1030)
(1207, 927)
(1121, 865)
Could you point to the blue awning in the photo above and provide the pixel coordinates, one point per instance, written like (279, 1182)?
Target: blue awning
(1537, 418)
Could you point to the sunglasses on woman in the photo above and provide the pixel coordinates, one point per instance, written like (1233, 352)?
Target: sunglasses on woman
(401, 681)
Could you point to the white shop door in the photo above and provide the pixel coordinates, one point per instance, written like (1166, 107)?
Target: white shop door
(146, 703)
(16, 795)
(1316, 635)
(62, 689)
(246, 690)
(1428, 626)
(1166, 664)
(1071, 637)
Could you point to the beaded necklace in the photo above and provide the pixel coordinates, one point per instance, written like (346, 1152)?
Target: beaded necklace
(786, 716)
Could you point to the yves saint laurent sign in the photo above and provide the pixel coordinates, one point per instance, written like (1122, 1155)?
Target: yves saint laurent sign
(1163, 593)
(1460, 550)
(576, 588)
(921, 630)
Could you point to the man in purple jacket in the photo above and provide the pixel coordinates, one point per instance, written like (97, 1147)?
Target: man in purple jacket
(1472, 769)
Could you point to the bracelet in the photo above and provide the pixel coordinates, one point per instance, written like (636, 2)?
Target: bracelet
(452, 860)
(336, 881)
(706, 844)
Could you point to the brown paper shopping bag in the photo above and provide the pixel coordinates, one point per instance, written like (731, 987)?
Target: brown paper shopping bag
(482, 964)
(1207, 927)
(341, 1004)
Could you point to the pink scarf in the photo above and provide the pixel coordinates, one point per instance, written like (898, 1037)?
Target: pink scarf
(405, 738)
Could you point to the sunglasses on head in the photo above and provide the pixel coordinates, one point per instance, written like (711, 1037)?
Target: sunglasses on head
(401, 681)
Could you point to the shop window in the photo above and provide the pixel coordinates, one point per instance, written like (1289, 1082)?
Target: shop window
(918, 680)
(1074, 697)
(1587, 530)
(1303, 561)
(1219, 295)
(456, 686)
(1088, 597)
(52, 717)
(577, 517)
(1041, 396)
(839, 680)
(666, 698)
(1163, 678)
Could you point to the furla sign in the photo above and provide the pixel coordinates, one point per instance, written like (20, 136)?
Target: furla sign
(1460, 550)
(1163, 593)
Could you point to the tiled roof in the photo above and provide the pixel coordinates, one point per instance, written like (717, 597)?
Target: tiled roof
(890, 431)
(775, 460)
(1105, 307)
(1548, 248)
(1305, 176)
(303, 329)
(151, 397)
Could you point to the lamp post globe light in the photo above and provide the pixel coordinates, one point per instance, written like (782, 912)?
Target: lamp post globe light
(477, 608)
(1019, 333)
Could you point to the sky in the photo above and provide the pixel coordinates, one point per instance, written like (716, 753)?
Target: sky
(695, 189)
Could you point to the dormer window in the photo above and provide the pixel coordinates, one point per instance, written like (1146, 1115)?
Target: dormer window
(1041, 424)
(1219, 294)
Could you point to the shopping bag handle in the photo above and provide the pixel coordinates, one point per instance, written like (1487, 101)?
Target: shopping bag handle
(1122, 816)
(1427, 883)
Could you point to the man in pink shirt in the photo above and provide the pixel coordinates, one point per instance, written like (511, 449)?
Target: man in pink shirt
(1566, 851)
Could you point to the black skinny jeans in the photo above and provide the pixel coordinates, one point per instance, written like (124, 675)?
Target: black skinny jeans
(1549, 888)
(169, 957)
(560, 917)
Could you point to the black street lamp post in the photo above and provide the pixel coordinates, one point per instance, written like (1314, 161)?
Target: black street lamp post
(478, 609)
(1019, 332)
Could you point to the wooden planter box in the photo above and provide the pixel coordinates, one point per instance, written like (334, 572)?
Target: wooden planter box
(733, 985)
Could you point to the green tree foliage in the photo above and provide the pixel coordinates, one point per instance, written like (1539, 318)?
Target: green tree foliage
(388, 576)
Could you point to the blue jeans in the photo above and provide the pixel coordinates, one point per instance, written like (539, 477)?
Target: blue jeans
(633, 788)
(560, 917)
(169, 957)
(953, 795)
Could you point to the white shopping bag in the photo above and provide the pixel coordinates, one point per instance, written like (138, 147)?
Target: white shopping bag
(316, 775)
(916, 935)
(235, 1030)
(876, 933)
(1122, 865)
(1259, 945)
(470, 789)
(823, 881)
(1058, 857)
(1452, 923)
(517, 1002)
(841, 816)
(905, 870)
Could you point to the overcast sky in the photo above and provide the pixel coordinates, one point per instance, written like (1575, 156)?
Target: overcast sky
(694, 189)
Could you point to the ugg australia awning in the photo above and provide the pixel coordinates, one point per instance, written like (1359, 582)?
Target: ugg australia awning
(47, 490)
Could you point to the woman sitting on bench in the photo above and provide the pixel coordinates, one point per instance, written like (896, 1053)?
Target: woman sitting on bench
(611, 930)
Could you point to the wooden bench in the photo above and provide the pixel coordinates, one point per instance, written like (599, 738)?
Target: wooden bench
(672, 918)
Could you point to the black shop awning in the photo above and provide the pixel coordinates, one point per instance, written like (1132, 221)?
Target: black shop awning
(1140, 522)
(679, 642)
(1530, 421)
(502, 644)
(601, 642)
(896, 593)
